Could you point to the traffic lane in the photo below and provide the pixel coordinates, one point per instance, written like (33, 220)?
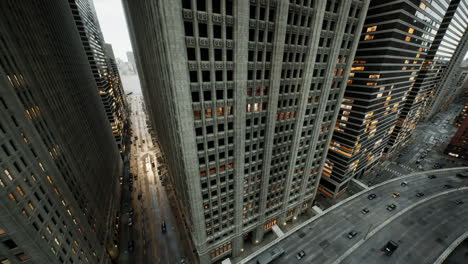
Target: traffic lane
(415, 230)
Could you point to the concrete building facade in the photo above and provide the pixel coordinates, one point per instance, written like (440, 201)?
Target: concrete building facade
(244, 96)
(394, 44)
(59, 165)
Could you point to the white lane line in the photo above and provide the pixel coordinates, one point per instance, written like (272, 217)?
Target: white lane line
(388, 221)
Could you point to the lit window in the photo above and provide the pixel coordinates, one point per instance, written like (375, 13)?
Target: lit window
(410, 30)
(220, 111)
(31, 205)
(371, 83)
(197, 114)
(12, 197)
(368, 37)
(374, 76)
(350, 81)
(208, 113)
(408, 38)
(7, 173)
(422, 5)
(360, 68)
(371, 29)
(2, 231)
(18, 188)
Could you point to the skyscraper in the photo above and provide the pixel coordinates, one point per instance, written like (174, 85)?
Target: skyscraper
(435, 80)
(111, 94)
(59, 165)
(243, 95)
(131, 60)
(394, 43)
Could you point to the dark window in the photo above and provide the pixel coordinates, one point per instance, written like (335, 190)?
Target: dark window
(201, 5)
(204, 54)
(198, 131)
(188, 29)
(10, 244)
(253, 10)
(186, 4)
(229, 55)
(271, 16)
(262, 13)
(193, 76)
(229, 7)
(195, 97)
(229, 94)
(216, 31)
(209, 129)
(218, 54)
(229, 75)
(252, 34)
(207, 95)
(219, 94)
(216, 6)
(220, 127)
(219, 76)
(205, 76)
(228, 32)
(191, 54)
(203, 30)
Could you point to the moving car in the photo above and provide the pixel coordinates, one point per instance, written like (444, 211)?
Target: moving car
(389, 248)
(391, 207)
(459, 202)
(163, 226)
(365, 211)
(404, 183)
(300, 254)
(463, 174)
(395, 195)
(448, 186)
(352, 234)
(432, 176)
(130, 245)
(372, 196)
(419, 194)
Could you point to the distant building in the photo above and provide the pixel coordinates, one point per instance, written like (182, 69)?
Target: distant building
(131, 61)
(244, 96)
(93, 43)
(458, 146)
(59, 164)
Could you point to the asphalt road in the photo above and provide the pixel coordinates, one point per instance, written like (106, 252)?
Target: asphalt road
(151, 244)
(417, 223)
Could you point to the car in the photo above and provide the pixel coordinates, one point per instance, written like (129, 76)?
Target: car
(448, 186)
(352, 234)
(300, 254)
(459, 202)
(131, 245)
(365, 211)
(130, 212)
(419, 194)
(404, 183)
(418, 161)
(372, 196)
(130, 222)
(432, 176)
(463, 174)
(395, 195)
(389, 248)
(163, 226)
(391, 207)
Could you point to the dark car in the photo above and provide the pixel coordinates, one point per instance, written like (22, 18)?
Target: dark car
(459, 202)
(389, 248)
(352, 234)
(131, 245)
(365, 211)
(372, 196)
(419, 194)
(163, 226)
(432, 176)
(391, 207)
(300, 254)
(448, 186)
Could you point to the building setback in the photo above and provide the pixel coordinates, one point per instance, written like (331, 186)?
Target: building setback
(112, 95)
(393, 45)
(438, 74)
(244, 96)
(59, 165)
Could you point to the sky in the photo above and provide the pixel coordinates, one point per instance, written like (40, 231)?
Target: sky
(114, 26)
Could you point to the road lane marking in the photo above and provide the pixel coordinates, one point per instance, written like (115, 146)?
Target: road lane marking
(389, 220)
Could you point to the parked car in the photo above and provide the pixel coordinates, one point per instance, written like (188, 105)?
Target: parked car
(300, 254)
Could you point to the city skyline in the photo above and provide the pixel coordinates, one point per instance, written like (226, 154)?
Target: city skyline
(223, 131)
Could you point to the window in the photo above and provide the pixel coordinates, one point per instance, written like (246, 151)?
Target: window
(206, 76)
(10, 244)
(216, 6)
(372, 29)
(422, 5)
(216, 31)
(201, 5)
(368, 37)
(193, 76)
(374, 76)
(410, 30)
(188, 29)
(191, 54)
(2, 231)
(408, 38)
(197, 114)
(203, 30)
(22, 257)
(204, 54)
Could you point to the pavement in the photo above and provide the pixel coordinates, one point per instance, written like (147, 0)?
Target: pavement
(422, 226)
(147, 196)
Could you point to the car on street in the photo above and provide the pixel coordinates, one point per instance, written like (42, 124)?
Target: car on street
(463, 174)
(365, 211)
(404, 183)
(300, 254)
(163, 226)
(395, 195)
(372, 196)
(391, 207)
(352, 234)
(130, 222)
(432, 176)
(131, 245)
(389, 248)
(419, 194)
(130, 212)
(448, 186)
(459, 202)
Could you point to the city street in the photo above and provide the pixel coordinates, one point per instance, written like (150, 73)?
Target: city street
(153, 243)
(428, 221)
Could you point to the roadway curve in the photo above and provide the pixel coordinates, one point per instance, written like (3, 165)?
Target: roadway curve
(423, 226)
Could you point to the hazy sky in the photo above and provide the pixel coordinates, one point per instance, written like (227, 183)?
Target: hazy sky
(114, 26)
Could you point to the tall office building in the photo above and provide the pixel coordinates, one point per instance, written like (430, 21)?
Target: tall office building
(244, 98)
(131, 61)
(393, 46)
(91, 36)
(435, 82)
(59, 165)
(458, 146)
